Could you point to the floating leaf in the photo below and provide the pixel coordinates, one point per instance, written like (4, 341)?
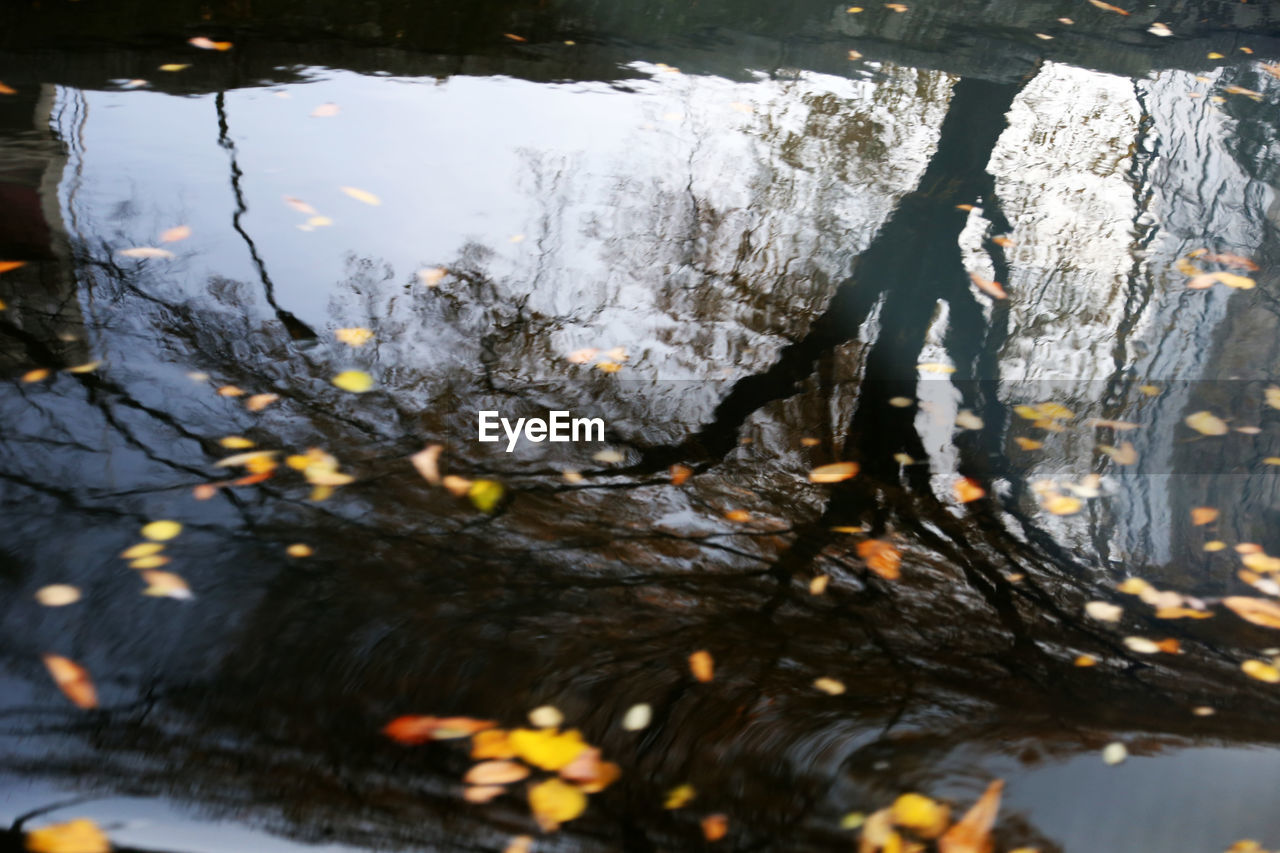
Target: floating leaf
(258, 402)
(362, 195)
(833, 473)
(830, 686)
(235, 442)
(166, 585)
(427, 463)
(1114, 753)
(1029, 443)
(968, 420)
(935, 367)
(972, 833)
(431, 276)
(142, 549)
(553, 802)
(520, 844)
(679, 474)
(738, 515)
(923, 816)
(74, 836)
(1231, 260)
(1203, 515)
(208, 44)
(546, 717)
(1207, 423)
(355, 381)
(1159, 29)
(496, 773)
(255, 460)
(161, 531)
(608, 366)
(1261, 670)
(173, 235)
(582, 356)
(7, 90)
(326, 111)
(485, 495)
(897, 7)
(5, 266)
(608, 457)
(419, 729)
(73, 680)
(300, 205)
(637, 717)
(354, 337)
(701, 665)
(172, 67)
(1108, 7)
(818, 585)
(152, 562)
(492, 743)
(967, 490)
(38, 375)
(881, 557)
(715, 827)
(1142, 645)
(57, 595)
(1104, 611)
(1085, 661)
(547, 748)
(989, 287)
(482, 793)
(589, 772)
(87, 367)
(1259, 611)
(230, 391)
(1125, 454)
(298, 549)
(679, 797)
(147, 252)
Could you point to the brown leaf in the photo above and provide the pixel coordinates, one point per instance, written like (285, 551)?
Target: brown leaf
(73, 680)
(972, 833)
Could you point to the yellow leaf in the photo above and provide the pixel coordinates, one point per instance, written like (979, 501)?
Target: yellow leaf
(142, 549)
(1261, 562)
(1273, 396)
(161, 531)
(553, 802)
(1203, 515)
(153, 562)
(258, 402)
(1125, 454)
(833, 473)
(252, 458)
(830, 686)
(355, 337)
(1261, 670)
(75, 836)
(355, 381)
(1207, 423)
(37, 375)
(935, 367)
(485, 495)
(738, 515)
(921, 815)
(298, 549)
(1029, 443)
(548, 749)
(175, 66)
(362, 195)
(679, 797)
(235, 442)
(1259, 611)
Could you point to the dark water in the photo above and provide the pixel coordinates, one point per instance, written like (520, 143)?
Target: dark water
(771, 233)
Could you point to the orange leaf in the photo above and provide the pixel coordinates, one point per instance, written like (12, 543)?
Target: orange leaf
(972, 833)
(967, 490)
(208, 44)
(73, 680)
(679, 474)
(492, 743)
(1108, 7)
(416, 729)
(75, 836)
(715, 827)
(881, 558)
(5, 266)
(589, 772)
(1259, 611)
(991, 288)
(1203, 515)
(701, 665)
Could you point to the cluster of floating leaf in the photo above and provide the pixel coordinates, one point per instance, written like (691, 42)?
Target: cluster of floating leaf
(916, 824)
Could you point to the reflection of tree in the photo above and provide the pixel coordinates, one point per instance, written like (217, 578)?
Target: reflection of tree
(585, 595)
